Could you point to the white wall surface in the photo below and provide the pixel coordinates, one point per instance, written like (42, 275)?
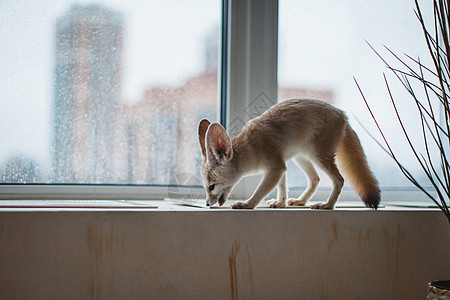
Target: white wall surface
(222, 254)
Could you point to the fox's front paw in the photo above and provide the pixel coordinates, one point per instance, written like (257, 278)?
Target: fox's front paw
(322, 206)
(295, 202)
(276, 204)
(241, 205)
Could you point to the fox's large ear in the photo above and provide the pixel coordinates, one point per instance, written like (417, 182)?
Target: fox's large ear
(218, 145)
(202, 128)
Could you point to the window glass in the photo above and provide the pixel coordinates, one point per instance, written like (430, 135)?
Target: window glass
(322, 46)
(105, 92)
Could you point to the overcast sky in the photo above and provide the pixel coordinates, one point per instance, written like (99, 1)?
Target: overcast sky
(322, 45)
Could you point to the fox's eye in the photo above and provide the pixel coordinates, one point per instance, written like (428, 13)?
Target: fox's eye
(211, 187)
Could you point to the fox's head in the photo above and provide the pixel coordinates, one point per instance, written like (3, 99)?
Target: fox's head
(218, 173)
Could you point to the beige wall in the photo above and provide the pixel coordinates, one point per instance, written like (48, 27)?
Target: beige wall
(222, 254)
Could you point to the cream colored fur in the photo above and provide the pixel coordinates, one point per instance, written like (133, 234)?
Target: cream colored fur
(311, 132)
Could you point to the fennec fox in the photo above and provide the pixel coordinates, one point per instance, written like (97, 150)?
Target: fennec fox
(309, 131)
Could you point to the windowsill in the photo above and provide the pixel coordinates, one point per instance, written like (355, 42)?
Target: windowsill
(185, 205)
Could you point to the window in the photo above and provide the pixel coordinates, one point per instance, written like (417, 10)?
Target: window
(106, 93)
(111, 93)
(322, 47)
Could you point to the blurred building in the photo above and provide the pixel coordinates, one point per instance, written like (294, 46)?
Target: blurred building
(89, 42)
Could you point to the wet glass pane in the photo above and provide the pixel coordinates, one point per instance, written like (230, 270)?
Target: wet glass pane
(322, 46)
(106, 92)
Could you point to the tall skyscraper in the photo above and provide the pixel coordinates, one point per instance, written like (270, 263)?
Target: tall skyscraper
(87, 89)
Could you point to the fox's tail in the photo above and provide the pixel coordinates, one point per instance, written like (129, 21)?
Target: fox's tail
(352, 163)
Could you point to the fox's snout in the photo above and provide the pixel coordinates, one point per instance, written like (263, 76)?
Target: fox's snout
(210, 202)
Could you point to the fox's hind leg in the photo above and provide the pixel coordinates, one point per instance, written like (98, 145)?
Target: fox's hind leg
(313, 181)
(280, 202)
(328, 165)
